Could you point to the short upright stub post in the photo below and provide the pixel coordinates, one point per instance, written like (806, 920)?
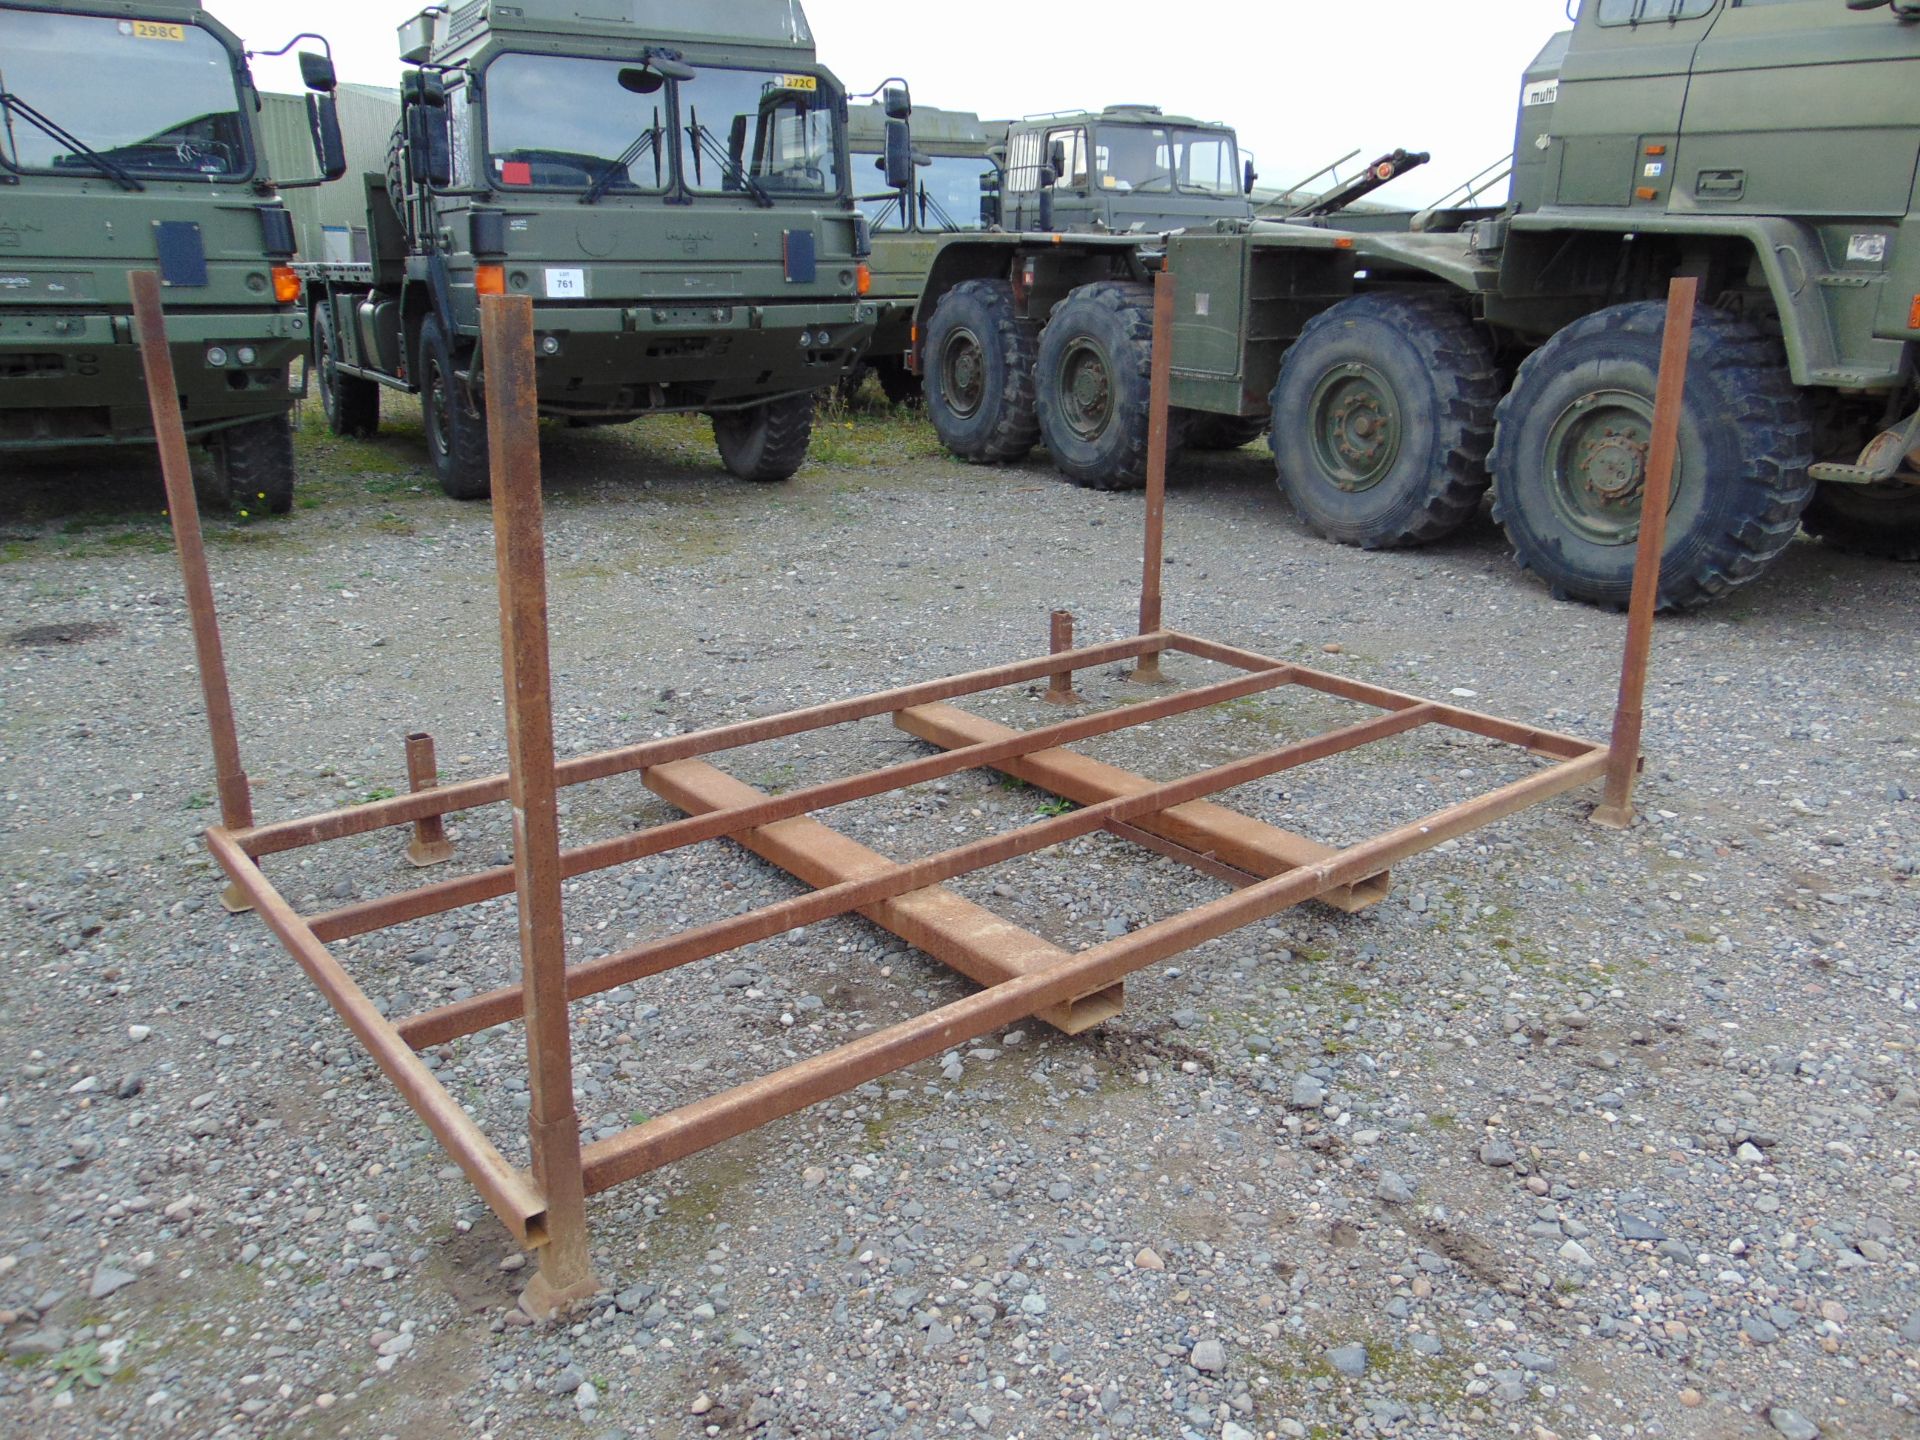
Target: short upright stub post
(430, 845)
(565, 1276)
(1060, 689)
(1159, 417)
(1615, 811)
(176, 469)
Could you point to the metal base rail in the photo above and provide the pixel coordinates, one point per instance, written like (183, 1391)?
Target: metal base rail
(543, 1207)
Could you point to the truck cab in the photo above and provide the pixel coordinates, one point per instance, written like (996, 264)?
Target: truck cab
(1775, 142)
(130, 142)
(1125, 170)
(955, 191)
(669, 185)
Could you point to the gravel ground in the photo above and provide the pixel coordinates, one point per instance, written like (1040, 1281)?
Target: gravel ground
(1578, 1134)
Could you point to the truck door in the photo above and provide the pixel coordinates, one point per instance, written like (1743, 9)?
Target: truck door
(1621, 93)
(1802, 108)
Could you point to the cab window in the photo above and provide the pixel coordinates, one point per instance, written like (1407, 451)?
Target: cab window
(1074, 142)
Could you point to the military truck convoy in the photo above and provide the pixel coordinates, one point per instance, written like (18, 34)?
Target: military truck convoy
(1769, 149)
(679, 192)
(171, 175)
(672, 195)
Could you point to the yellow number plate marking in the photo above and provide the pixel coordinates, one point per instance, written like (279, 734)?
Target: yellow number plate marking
(797, 82)
(153, 30)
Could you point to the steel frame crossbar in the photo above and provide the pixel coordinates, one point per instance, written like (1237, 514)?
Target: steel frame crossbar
(544, 1206)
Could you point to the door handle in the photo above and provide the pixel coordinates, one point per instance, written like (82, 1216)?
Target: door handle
(1720, 184)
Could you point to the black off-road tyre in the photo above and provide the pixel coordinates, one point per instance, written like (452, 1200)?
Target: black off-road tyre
(1569, 459)
(1878, 520)
(1093, 381)
(456, 431)
(351, 404)
(254, 463)
(1203, 430)
(1382, 419)
(979, 374)
(766, 443)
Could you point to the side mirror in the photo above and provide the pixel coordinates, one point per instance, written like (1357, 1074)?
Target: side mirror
(429, 145)
(1056, 162)
(323, 119)
(899, 104)
(316, 71)
(423, 87)
(1248, 176)
(899, 156)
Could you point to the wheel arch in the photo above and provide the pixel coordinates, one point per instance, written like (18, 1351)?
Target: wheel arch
(1775, 263)
(1066, 263)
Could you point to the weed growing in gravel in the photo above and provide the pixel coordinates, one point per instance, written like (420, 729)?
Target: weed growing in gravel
(79, 1365)
(1051, 808)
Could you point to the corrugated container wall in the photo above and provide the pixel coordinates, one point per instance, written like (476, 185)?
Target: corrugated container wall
(368, 114)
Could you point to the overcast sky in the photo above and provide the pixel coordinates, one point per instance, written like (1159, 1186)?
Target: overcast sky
(1303, 82)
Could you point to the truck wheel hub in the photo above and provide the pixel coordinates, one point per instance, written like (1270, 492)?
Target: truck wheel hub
(1615, 468)
(1597, 454)
(1087, 388)
(964, 368)
(1356, 427)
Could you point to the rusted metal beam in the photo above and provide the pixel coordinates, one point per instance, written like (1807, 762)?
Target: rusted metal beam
(1548, 743)
(1060, 688)
(505, 1189)
(963, 936)
(707, 1122)
(565, 1275)
(1200, 826)
(1209, 865)
(690, 783)
(430, 845)
(1615, 811)
(368, 915)
(1159, 420)
(472, 794)
(183, 510)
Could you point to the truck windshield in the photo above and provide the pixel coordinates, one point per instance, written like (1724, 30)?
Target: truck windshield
(946, 194)
(147, 97)
(1160, 159)
(558, 122)
(747, 131)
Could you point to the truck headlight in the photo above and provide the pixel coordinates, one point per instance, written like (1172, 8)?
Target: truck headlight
(246, 354)
(217, 356)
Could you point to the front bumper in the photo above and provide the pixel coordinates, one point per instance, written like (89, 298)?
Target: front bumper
(603, 359)
(76, 379)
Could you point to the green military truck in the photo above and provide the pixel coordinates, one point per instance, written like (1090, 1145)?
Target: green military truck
(1084, 203)
(1767, 148)
(130, 141)
(669, 184)
(954, 191)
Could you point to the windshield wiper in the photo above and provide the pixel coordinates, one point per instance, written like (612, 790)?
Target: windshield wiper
(14, 105)
(629, 157)
(728, 168)
(888, 203)
(928, 203)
